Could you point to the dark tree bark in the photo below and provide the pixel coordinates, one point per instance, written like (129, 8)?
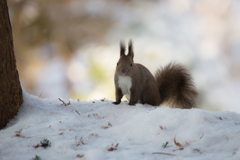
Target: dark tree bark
(10, 88)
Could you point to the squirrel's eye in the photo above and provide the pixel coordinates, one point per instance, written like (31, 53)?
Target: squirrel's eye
(117, 64)
(131, 64)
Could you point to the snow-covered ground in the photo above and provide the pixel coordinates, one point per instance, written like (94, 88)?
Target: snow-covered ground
(99, 130)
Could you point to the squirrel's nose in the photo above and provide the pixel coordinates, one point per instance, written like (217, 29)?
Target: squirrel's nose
(124, 71)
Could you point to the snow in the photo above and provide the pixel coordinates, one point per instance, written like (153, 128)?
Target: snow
(139, 131)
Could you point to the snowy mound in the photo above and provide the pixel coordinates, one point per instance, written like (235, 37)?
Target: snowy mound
(99, 130)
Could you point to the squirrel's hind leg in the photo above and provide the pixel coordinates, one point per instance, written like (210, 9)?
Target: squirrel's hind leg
(151, 96)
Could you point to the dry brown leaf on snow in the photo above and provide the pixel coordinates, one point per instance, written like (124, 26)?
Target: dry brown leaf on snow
(113, 148)
(162, 128)
(80, 156)
(109, 125)
(36, 146)
(177, 143)
(104, 127)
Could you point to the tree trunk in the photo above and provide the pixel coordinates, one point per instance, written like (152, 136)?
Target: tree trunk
(10, 88)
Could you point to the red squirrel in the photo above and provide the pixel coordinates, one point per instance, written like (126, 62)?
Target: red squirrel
(172, 84)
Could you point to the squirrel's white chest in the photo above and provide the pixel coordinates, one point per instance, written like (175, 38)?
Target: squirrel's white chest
(125, 83)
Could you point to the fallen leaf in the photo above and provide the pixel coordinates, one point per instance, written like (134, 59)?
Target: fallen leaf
(80, 155)
(36, 146)
(162, 128)
(104, 127)
(113, 148)
(178, 144)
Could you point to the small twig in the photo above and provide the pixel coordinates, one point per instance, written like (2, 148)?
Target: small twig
(65, 104)
(68, 103)
(18, 134)
(62, 102)
(164, 153)
(18, 131)
(80, 141)
(169, 154)
(77, 112)
(41, 93)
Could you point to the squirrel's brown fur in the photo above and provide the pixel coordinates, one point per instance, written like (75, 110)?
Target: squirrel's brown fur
(172, 84)
(176, 86)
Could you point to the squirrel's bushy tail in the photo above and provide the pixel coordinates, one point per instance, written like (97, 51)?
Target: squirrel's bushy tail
(176, 86)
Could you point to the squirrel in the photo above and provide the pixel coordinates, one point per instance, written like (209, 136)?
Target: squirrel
(172, 84)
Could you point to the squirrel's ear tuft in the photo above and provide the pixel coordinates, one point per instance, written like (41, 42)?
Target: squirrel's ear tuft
(130, 49)
(122, 48)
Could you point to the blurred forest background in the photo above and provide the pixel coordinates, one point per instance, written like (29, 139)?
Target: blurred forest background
(69, 48)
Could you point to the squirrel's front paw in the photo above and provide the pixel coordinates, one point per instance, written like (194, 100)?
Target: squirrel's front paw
(131, 104)
(116, 103)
